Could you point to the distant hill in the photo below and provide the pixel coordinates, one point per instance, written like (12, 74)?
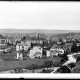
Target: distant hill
(19, 33)
(37, 31)
(65, 35)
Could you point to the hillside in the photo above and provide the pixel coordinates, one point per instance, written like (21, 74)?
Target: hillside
(65, 35)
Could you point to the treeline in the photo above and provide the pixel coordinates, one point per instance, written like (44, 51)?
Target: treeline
(75, 48)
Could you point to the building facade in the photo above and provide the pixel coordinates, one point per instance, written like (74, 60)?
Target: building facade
(35, 52)
(55, 50)
(23, 46)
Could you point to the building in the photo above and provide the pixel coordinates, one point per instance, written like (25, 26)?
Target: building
(55, 50)
(35, 52)
(23, 46)
(64, 40)
(48, 54)
(28, 43)
(18, 55)
(36, 40)
(3, 41)
(3, 45)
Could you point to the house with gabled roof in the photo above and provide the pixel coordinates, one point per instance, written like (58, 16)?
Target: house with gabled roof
(55, 50)
(35, 52)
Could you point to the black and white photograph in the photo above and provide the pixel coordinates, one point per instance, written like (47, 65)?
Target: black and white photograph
(39, 38)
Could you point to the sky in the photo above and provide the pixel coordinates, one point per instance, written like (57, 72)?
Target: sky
(40, 15)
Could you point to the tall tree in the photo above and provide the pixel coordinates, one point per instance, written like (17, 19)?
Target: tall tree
(24, 38)
(74, 47)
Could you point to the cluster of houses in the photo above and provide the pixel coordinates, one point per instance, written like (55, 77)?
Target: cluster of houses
(26, 48)
(37, 51)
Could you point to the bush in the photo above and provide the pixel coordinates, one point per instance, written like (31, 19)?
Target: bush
(18, 70)
(78, 59)
(45, 71)
(63, 69)
(57, 64)
(47, 64)
(33, 67)
(76, 70)
(71, 65)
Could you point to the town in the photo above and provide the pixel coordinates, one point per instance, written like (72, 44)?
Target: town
(39, 53)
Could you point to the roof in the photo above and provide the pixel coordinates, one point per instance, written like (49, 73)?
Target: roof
(55, 46)
(3, 46)
(33, 38)
(37, 47)
(22, 44)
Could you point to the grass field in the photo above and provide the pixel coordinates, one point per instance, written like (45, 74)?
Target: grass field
(10, 65)
(7, 57)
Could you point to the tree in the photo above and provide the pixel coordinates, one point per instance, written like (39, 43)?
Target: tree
(24, 38)
(1, 36)
(74, 47)
(63, 57)
(62, 42)
(71, 65)
(44, 51)
(45, 71)
(77, 40)
(63, 69)
(18, 70)
(76, 70)
(78, 59)
(33, 67)
(48, 64)
(32, 45)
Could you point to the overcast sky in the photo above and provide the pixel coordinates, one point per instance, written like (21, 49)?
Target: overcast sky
(40, 15)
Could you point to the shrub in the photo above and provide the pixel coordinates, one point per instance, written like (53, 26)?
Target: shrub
(76, 70)
(71, 65)
(47, 63)
(57, 64)
(78, 59)
(63, 69)
(45, 71)
(18, 70)
(33, 67)
(50, 63)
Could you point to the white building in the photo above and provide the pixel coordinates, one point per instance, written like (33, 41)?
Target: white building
(55, 50)
(18, 55)
(35, 52)
(48, 54)
(23, 46)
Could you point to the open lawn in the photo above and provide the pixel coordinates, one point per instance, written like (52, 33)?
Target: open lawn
(10, 65)
(7, 57)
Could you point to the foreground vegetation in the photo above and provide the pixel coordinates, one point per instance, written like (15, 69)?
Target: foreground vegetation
(10, 65)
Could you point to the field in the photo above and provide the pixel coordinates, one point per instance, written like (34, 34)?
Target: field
(10, 65)
(7, 57)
